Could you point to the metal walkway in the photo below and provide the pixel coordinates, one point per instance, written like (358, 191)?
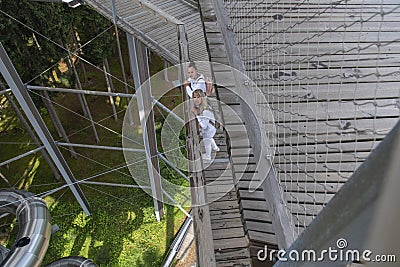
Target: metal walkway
(252, 206)
(154, 24)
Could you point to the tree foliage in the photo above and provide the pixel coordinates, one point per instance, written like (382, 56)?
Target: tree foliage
(30, 32)
(36, 35)
(89, 25)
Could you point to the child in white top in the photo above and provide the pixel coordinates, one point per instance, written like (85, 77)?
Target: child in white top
(205, 117)
(195, 81)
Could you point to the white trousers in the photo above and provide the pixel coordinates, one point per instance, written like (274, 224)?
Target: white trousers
(209, 144)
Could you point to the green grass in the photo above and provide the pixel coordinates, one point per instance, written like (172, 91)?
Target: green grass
(122, 229)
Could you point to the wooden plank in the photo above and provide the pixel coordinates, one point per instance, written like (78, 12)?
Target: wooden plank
(339, 75)
(221, 196)
(318, 177)
(146, 21)
(219, 181)
(321, 111)
(257, 205)
(244, 193)
(217, 173)
(231, 195)
(241, 151)
(236, 132)
(335, 80)
(262, 237)
(318, 60)
(312, 187)
(322, 139)
(314, 167)
(308, 27)
(225, 165)
(254, 178)
(287, 3)
(290, 18)
(252, 215)
(322, 157)
(236, 262)
(343, 92)
(263, 227)
(227, 223)
(235, 242)
(224, 205)
(302, 220)
(212, 189)
(305, 209)
(232, 254)
(360, 126)
(311, 197)
(370, 94)
(305, 9)
(312, 53)
(223, 214)
(243, 160)
(242, 168)
(326, 36)
(325, 148)
(228, 233)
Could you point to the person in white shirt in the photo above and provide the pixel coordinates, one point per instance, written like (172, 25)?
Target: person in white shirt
(195, 81)
(205, 117)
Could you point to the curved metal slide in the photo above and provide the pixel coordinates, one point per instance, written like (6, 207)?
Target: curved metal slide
(34, 232)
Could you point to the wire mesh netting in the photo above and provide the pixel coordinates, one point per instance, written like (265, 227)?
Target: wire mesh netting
(330, 73)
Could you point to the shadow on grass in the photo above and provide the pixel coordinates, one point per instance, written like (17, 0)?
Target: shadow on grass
(99, 236)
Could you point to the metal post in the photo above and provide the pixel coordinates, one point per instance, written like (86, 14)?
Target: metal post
(56, 121)
(69, 63)
(109, 90)
(133, 117)
(138, 54)
(121, 61)
(32, 135)
(21, 94)
(84, 102)
(166, 65)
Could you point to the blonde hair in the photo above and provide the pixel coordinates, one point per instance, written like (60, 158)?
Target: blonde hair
(204, 103)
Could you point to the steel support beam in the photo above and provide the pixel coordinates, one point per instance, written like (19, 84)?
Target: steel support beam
(32, 135)
(101, 147)
(75, 91)
(21, 94)
(140, 68)
(21, 156)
